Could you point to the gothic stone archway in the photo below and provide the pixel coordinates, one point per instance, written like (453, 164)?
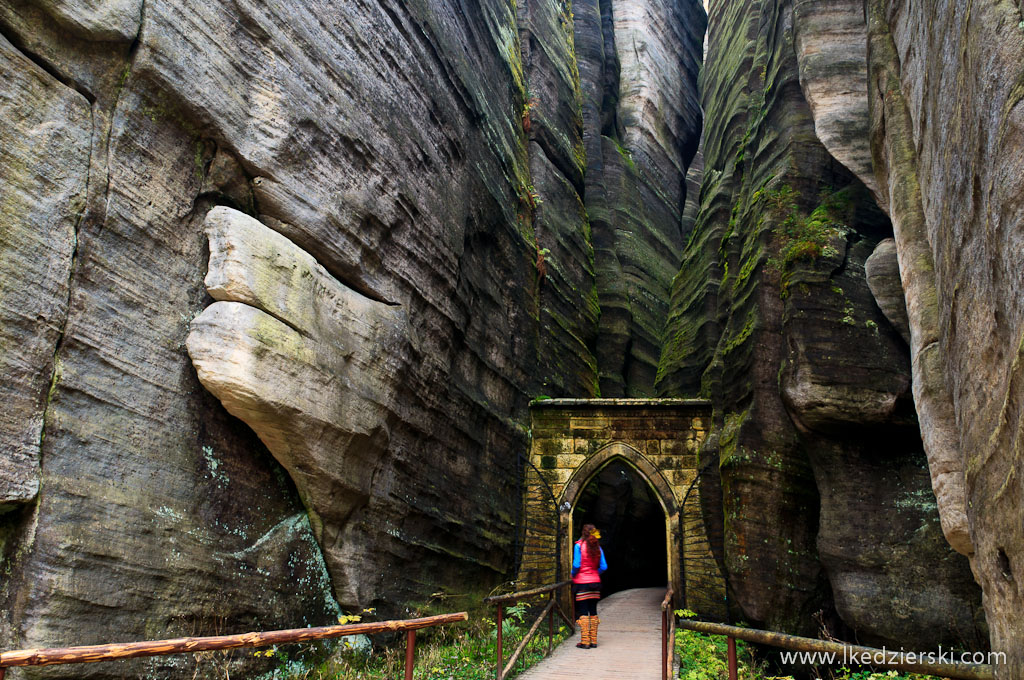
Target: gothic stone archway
(573, 439)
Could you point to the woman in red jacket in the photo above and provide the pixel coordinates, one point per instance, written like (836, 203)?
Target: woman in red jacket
(587, 564)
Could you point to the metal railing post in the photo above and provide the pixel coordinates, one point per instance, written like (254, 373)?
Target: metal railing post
(501, 614)
(410, 651)
(549, 611)
(732, 659)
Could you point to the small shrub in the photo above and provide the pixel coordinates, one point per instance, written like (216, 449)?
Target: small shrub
(805, 238)
(541, 264)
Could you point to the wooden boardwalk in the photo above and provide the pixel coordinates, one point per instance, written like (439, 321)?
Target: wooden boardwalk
(628, 643)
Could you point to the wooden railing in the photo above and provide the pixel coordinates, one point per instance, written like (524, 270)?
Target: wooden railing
(189, 645)
(503, 601)
(668, 635)
(959, 671)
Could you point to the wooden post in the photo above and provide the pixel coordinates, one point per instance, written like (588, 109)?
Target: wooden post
(664, 644)
(732, 659)
(501, 614)
(551, 624)
(3, 672)
(666, 613)
(410, 651)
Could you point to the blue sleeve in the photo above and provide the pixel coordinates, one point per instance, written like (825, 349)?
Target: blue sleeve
(604, 564)
(576, 559)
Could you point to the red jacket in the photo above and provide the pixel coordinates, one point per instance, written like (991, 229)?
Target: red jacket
(589, 566)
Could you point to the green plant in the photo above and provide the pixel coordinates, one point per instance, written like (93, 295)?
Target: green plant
(846, 674)
(800, 237)
(541, 263)
(705, 657)
(527, 107)
(460, 652)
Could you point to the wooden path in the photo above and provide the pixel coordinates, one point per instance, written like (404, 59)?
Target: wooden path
(628, 643)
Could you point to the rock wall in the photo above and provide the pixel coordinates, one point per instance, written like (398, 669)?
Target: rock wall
(945, 97)
(471, 204)
(830, 517)
(210, 436)
(640, 133)
(943, 106)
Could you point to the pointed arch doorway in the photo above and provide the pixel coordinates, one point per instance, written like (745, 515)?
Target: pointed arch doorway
(649, 445)
(630, 501)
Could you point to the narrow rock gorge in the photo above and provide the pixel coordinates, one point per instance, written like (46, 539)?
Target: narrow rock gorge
(279, 281)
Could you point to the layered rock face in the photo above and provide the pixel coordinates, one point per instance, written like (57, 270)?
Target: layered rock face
(946, 112)
(640, 134)
(305, 264)
(830, 516)
(945, 117)
(46, 129)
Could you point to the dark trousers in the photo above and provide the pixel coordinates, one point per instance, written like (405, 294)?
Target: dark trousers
(587, 595)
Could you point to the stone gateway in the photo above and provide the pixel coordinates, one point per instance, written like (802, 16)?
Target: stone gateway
(575, 439)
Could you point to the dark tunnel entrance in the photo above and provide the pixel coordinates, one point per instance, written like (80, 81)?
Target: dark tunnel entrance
(620, 502)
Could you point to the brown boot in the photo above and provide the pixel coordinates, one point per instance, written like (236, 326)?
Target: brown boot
(594, 621)
(584, 624)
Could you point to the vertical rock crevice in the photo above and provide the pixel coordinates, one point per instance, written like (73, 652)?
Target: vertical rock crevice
(637, 55)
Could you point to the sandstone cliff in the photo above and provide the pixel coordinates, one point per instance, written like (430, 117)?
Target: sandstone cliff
(946, 108)
(830, 516)
(278, 282)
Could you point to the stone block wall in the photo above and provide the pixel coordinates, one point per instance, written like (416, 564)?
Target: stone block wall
(573, 439)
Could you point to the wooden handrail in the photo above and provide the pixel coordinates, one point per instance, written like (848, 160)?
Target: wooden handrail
(134, 650)
(502, 600)
(522, 595)
(960, 671)
(529, 636)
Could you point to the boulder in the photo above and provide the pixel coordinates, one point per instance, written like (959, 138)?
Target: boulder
(309, 364)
